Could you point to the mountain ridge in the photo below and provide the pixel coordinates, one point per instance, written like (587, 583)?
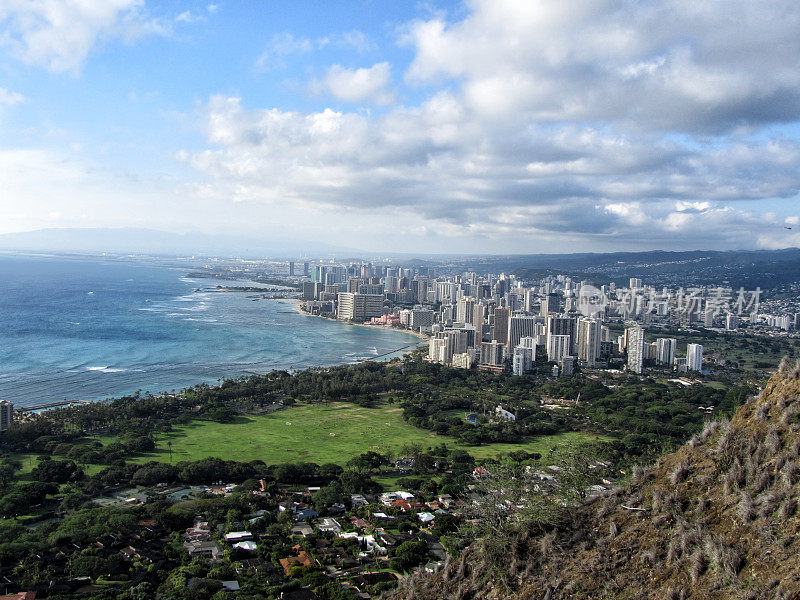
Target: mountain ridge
(717, 519)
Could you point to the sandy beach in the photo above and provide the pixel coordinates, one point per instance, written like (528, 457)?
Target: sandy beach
(298, 307)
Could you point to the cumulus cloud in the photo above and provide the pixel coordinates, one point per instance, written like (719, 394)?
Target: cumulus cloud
(700, 225)
(60, 35)
(672, 64)
(364, 85)
(616, 121)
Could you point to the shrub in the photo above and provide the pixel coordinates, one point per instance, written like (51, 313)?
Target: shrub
(745, 507)
(679, 473)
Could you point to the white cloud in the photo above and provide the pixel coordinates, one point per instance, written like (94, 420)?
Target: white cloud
(701, 225)
(282, 45)
(611, 122)
(10, 98)
(437, 163)
(355, 39)
(371, 85)
(668, 63)
(285, 44)
(60, 34)
(188, 17)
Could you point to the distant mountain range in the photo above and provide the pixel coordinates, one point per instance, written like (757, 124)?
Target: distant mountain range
(152, 242)
(745, 268)
(736, 268)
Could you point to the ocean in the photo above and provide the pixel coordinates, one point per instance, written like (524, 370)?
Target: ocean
(89, 329)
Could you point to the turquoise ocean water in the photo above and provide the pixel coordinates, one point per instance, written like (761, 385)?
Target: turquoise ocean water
(92, 329)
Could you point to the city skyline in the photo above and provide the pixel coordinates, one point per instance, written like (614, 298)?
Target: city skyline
(444, 127)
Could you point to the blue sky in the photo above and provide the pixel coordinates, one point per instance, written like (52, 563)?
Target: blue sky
(481, 126)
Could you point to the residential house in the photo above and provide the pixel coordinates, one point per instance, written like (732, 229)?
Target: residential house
(205, 548)
(303, 558)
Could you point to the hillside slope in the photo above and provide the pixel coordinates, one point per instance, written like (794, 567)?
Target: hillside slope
(716, 519)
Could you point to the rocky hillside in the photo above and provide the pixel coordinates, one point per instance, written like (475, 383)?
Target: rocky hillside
(717, 519)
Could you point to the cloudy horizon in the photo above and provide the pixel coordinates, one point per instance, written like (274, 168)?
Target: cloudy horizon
(439, 127)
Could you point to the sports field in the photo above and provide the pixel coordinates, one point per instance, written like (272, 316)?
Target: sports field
(319, 433)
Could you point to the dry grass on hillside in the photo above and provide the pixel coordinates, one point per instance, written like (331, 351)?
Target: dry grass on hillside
(717, 519)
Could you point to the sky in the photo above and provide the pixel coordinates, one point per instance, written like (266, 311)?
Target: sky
(482, 126)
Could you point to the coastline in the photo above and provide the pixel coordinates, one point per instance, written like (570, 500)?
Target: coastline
(159, 334)
(297, 307)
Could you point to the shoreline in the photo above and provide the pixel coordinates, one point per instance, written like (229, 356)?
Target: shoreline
(401, 353)
(297, 307)
(75, 379)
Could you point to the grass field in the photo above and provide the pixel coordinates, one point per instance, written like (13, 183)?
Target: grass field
(319, 433)
(29, 462)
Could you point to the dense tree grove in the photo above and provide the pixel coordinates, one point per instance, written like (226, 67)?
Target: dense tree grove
(84, 452)
(644, 414)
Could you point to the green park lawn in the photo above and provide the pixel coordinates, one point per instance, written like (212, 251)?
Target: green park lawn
(319, 433)
(29, 461)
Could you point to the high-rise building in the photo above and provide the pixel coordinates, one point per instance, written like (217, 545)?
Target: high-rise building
(463, 360)
(567, 365)
(562, 326)
(375, 289)
(732, 322)
(465, 310)
(522, 360)
(635, 283)
(520, 326)
(445, 292)
(416, 318)
(6, 415)
(694, 357)
(309, 290)
(359, 307)
(335, 274)
(551, 303)
(492, 353)
(445, 344)
(557, 347)
(607, 349)
(477, 318)
(318, 273)
(353, 283)
(468, 331)
(391, 284)
(635, 348)
(420, 287)
(291, 268)
(588, 341)
(440, 349)
(665, 351)
(500, 331)
(530, 300)
(305, 269)
(708, 315)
